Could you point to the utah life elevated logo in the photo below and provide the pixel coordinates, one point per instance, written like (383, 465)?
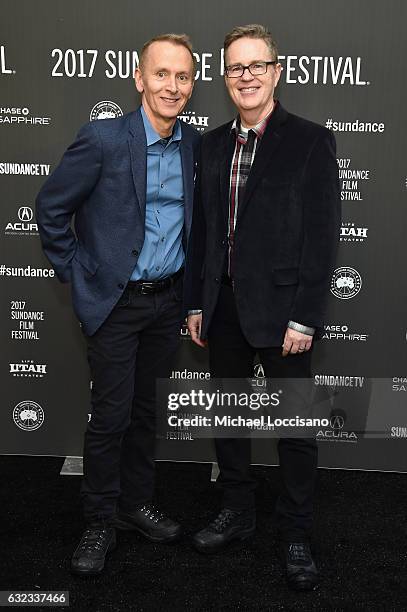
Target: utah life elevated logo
(28, 369)
(24, 226)
(200, 123)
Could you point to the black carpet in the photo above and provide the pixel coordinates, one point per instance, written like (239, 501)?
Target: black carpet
(360, 544)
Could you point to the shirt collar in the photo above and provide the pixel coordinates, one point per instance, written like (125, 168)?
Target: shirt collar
(258, 129)
(151, 135)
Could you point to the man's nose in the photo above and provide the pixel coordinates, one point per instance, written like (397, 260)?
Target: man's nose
(247, 75)
(172, 83)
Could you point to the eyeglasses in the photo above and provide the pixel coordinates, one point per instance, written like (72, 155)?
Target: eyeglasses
(255, 69)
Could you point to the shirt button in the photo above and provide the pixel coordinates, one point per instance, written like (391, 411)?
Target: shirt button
(121, 286)
(162, 239)
(162, 185)
(134, 252)
(157, 268)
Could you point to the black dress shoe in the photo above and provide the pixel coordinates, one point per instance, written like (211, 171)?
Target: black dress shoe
(228, 526)
(302, 574)
(89, 557)
(151, 522)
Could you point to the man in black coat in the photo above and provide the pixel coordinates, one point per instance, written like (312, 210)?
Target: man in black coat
(263, 244)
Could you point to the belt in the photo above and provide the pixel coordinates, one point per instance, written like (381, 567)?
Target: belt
(148, 287)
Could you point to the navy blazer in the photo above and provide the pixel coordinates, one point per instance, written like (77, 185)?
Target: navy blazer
(102, 180)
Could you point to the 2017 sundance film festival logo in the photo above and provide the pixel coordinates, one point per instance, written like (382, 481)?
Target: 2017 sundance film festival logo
(21, 116)
(28, 322)
(200, 123)
(27, 368)
(121, 63)
(25, 226)
(352, 180)
(28, 415)
(105, 110)
(346, 283)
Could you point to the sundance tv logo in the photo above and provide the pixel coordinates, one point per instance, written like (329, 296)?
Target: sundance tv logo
(28, 415)
(24, 226)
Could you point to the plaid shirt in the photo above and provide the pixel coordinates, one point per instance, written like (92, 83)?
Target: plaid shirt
(243, 156)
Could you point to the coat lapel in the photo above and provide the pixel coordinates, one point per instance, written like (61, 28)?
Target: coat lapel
(138, 155)
(226, 156)
(268, 147)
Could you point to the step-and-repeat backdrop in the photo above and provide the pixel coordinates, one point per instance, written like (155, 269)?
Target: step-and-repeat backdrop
(63, 64)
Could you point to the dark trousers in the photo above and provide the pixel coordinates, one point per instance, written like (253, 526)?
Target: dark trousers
(132, 348)
(231, 356)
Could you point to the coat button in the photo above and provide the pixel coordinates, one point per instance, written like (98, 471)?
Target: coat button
(134, 252)
(121, 286)
(216, 280)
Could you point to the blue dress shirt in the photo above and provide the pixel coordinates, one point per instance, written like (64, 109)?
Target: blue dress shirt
(162, 253)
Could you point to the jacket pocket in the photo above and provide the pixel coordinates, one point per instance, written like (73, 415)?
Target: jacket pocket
(286, 276)
(86, 260)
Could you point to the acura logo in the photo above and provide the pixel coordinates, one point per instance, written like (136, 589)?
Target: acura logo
(258, 370)
(337, 422)
(25, 213)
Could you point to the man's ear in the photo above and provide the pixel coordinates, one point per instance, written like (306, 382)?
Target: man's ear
(138, 79)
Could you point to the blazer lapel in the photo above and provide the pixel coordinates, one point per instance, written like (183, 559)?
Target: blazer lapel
(268, 147)
(188, 167)
(138, 154)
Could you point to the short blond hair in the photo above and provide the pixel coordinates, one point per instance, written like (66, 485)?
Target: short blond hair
(253, 30)
(176, 39)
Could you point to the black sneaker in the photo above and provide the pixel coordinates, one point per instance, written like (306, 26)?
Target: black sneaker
(89, 557)
(151, 522)
(301, 571)
(228, 526)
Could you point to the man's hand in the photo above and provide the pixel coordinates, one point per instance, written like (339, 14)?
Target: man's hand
(296, 342)
(194, 323)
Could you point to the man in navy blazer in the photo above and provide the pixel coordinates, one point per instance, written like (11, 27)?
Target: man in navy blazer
(129, 183)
